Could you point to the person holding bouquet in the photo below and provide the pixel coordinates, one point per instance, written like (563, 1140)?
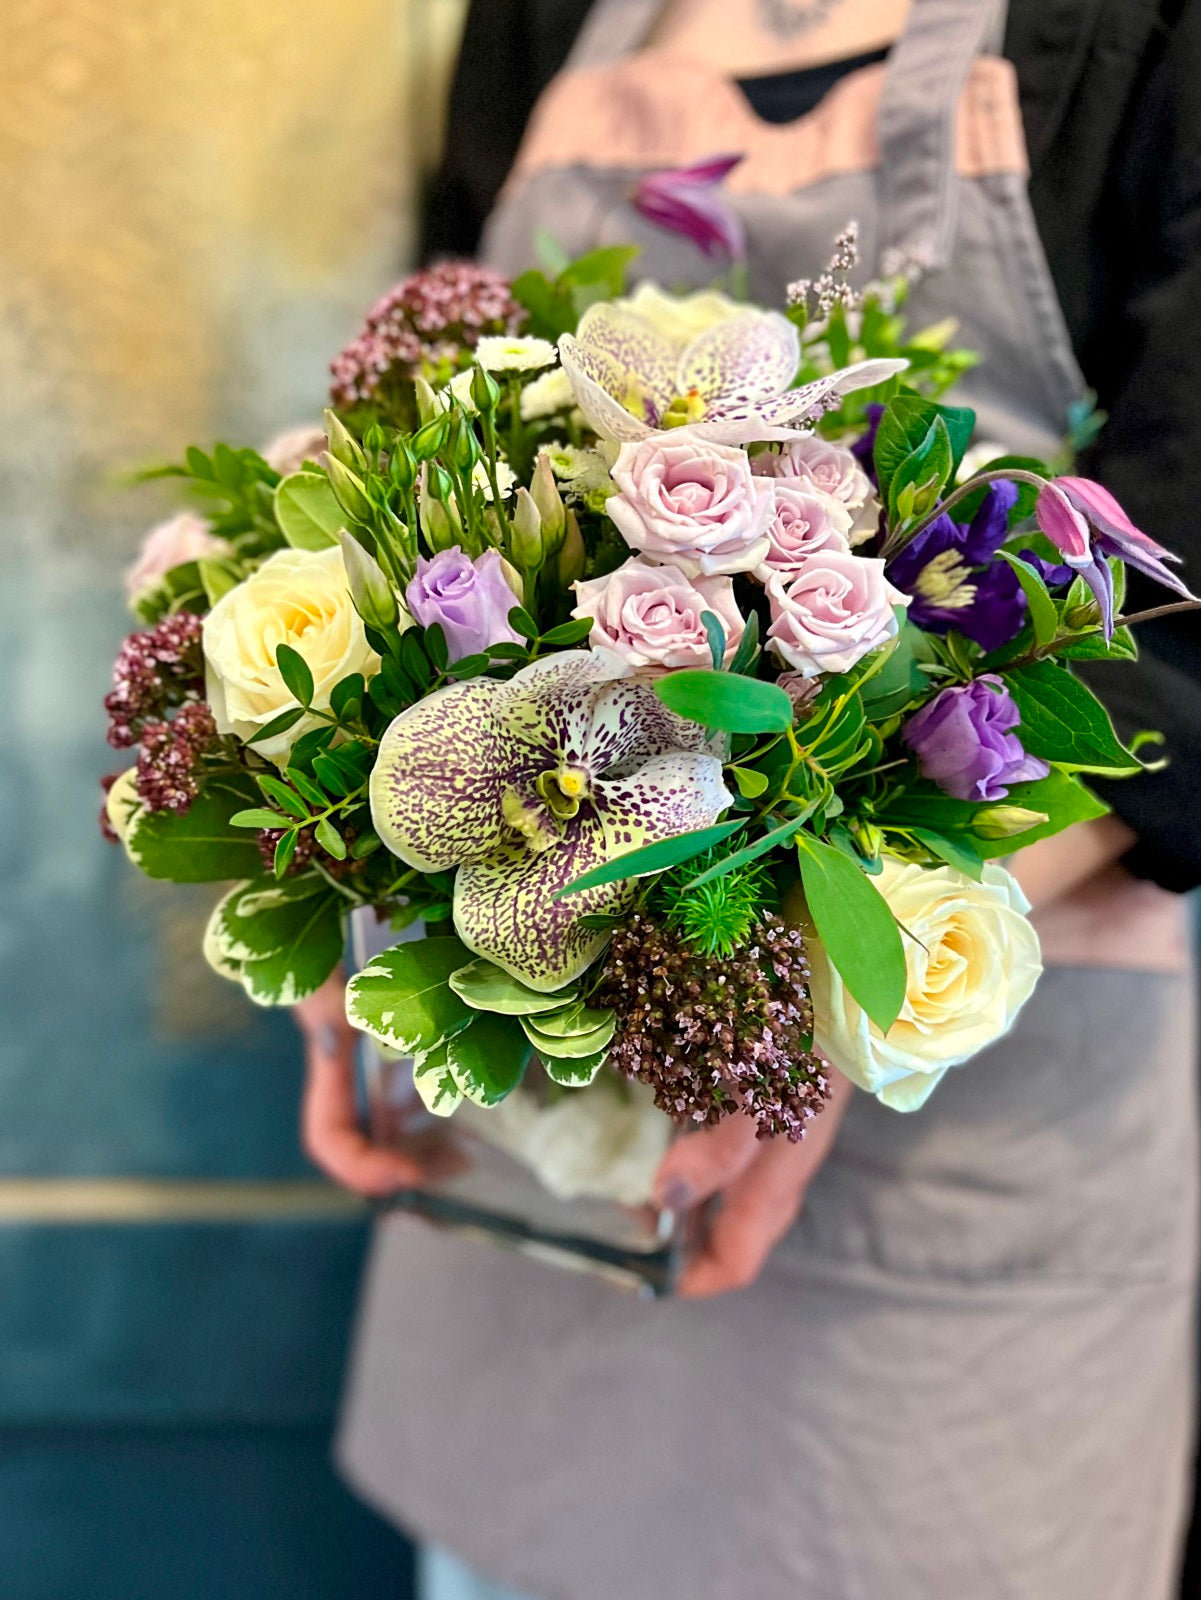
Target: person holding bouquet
(919, 1358)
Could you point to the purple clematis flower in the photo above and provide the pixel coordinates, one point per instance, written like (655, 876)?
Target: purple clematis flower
(864, 448)
(687, 201)
(1085, 521)
(952, 571)
(964, 741)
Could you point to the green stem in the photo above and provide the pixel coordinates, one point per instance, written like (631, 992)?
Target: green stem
(895, 543)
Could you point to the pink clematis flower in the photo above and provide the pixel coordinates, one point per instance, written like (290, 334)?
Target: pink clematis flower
(687, 201)
(1085, 522)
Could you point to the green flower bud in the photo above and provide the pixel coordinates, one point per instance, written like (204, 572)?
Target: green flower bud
(1002, 822)
(869, 839)
(464, 446)
(545, 493)
(343, 446)
(485, 391)
(440, 531)
(350, 491)
(438, 482)
(526, 539)
(427, 403)
(369, 589)
(573, 555)
(402, 466)
(431, 436)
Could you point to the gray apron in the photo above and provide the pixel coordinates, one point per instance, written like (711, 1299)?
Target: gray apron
(967, 1373)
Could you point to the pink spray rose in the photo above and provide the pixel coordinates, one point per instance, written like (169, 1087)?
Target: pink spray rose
(651, 616)
(836, 610)
(691, 503)
(289, 451)
(806, 520)
(829, 467)
(185, 537)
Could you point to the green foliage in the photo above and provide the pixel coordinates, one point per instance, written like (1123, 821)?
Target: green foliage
(403, 997)
(1043, 616)
(652, 858)
(901, 680)
(307, 511)
(908, 442)
(487, 1060)
(923, 809)
(556, 305)
(1064, 722)
(203, 845)
(724, 701)
(235, 490)
(486, 987)
(858, 930)
(715, 917)
(281, 942)
(571, 1035)
(1023, 507)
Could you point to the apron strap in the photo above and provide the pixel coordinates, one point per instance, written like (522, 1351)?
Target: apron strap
(612, 29)
(926, 72)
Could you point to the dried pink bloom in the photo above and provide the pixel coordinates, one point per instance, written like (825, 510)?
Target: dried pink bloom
(154, 669)
(430, 318)
(167, 779)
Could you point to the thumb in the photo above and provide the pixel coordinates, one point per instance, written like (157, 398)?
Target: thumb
(703, 1163)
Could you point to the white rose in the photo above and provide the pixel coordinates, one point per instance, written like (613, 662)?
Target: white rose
(837, 609)
(299, 598)
(185, 537)
(972, 960)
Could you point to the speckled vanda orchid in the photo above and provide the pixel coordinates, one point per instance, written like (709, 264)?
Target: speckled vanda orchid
(524, 785)
(635, 372)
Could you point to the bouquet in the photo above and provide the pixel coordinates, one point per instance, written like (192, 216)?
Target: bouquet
(681, 670)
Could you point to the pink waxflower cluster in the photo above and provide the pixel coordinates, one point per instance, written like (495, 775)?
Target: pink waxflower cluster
(430, 318)
(160, 667)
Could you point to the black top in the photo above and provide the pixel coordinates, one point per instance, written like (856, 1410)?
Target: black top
(785, 96)
(1112, 113)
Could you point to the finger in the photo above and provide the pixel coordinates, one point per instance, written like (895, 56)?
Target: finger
(756, 1211)
(333, 1139)
(702, 1163)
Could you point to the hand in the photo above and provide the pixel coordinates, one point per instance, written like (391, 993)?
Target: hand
(762, 1184)
(330, 1130)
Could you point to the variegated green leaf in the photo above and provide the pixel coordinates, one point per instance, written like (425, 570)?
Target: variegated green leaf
(573, 1022)
(403, 998)
(574, 1046)
(573, 1074)
(487, 987)
(487, 1060)
(434, 1083)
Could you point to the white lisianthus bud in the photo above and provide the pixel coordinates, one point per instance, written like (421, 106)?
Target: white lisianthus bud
(342, 445)
(573, 555)
(428, 406)
(348, 488)
(527, 533)
(545, 494)
(369, 588)
(1002, 822)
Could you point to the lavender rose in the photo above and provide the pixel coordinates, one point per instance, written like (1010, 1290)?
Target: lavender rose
(691, 503)
(964, 741)
(806, 520)
(471, 599)
(828, 467)
(185, 537)
(836, 610)
(651, 616)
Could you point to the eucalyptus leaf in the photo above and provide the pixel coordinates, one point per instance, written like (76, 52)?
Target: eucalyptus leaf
(857, 929)
(725, 701)
(307, 511)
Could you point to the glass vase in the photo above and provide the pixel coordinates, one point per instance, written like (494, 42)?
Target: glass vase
(562, 1175)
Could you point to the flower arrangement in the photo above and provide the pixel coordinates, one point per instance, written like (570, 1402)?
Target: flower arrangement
(658, 655)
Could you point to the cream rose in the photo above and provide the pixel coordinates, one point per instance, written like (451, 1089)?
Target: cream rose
(972, 961)
(299, 598)
(691, 503)
(837, 609)
(651, 616)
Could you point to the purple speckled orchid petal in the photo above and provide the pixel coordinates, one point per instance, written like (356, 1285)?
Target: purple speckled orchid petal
(505, 910)
(606, 415)
(667, 795)
(795, 410)
(548, 707)
(441, 771)
(630, 724)
(634, 346)
(737, 363)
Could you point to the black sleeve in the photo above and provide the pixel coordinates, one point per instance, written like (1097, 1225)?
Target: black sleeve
(510, 51)
(1145, 364)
